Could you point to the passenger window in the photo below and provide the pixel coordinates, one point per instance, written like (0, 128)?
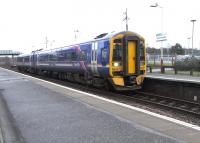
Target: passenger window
(26, 59)
(104, 55)
(61, 56)
(83, 55)
(46, 58)
(68, 55)
(73, 56)
(52, 57)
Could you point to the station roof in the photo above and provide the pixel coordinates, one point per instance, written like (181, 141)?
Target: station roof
(9, 52)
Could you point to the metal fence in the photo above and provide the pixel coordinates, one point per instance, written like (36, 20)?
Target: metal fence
(155, 59)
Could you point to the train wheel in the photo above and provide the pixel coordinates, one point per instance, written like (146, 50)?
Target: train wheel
(107, 86)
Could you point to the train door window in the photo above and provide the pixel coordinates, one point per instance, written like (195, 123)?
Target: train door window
(95, 52)
(95, 55)
(104, 52)
(92, 56)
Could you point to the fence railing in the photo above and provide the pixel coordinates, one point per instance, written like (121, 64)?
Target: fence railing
(163, 69)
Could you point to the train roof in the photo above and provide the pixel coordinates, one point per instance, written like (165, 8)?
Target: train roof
(24, 55)
(113, 34)
(102, 36)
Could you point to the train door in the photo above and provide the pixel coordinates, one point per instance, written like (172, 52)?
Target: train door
(131, 49)
(131, 55)
(33, 61)
(94, 54)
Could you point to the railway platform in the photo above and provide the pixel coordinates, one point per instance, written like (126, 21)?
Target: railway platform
(37, 111)
(180, 78)
(174, 86)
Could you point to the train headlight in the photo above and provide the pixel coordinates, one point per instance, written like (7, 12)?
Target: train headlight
(116, 64)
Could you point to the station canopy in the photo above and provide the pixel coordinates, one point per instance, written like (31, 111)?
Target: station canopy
(9, 52)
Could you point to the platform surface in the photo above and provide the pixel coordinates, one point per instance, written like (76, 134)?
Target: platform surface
(41, 112)
(181, 78)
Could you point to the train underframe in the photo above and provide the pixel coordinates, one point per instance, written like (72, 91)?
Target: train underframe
(87, 79)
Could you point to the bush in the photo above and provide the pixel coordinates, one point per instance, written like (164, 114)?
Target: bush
(188, 64)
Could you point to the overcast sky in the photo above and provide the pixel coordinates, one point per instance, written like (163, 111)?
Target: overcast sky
(24, 24)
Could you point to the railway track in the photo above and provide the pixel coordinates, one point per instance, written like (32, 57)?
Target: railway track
(131, 98)
(167, 102)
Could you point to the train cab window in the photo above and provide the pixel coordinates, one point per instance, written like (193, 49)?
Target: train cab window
(118, 41)
(142, 53)
(104, 52)
(83, 55)
(117, 52)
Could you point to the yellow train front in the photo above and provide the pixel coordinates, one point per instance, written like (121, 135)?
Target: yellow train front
(127, 65)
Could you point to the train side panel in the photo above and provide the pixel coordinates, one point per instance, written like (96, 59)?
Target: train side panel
(103, 57)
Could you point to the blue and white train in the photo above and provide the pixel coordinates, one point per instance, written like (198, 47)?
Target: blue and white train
(116, 60)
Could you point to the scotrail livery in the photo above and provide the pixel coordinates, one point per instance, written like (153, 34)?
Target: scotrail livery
(116, 60)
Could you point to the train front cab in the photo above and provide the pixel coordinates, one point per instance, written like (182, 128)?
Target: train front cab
(127, 65)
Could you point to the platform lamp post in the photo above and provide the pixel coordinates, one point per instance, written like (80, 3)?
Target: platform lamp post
(75, 34)
(47, 42)
(161, 47)
(188, 44)
(126, 18)
(193, 20)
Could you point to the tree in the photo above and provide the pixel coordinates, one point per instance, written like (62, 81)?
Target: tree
(177, 49)
(153, 51)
